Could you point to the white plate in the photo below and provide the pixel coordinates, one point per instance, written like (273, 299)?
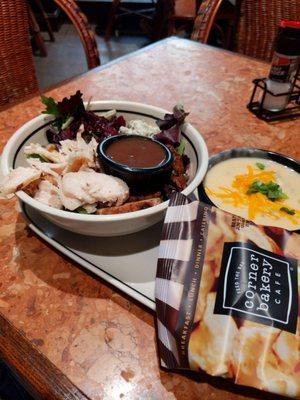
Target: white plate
(127, 262)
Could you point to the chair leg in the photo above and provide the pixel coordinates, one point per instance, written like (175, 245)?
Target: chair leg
(36, 33)
(222, 34)
(228, 36)
(46, 20)
(162, 19)
(171, 26)
(111, 19)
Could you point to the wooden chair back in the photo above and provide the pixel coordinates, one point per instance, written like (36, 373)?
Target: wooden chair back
(256, 26)
(83, 29)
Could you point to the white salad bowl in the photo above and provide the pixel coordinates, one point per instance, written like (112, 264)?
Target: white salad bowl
(104, 225)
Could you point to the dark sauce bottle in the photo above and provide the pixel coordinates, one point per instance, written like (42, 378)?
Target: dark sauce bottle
(284, 65)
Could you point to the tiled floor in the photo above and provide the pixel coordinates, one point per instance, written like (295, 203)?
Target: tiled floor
(66, 56)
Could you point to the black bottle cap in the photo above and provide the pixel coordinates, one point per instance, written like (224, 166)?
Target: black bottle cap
(288, 38)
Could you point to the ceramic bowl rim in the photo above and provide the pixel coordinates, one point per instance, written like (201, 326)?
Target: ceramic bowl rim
(67, 215)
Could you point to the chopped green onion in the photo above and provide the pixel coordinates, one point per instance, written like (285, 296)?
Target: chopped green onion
(109, 115)
(37, 156)
(271, 190)
(260, 165)
(88, 106)
(67, 122)
(288, 210)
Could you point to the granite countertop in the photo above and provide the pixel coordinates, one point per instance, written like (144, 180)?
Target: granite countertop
(96, 339)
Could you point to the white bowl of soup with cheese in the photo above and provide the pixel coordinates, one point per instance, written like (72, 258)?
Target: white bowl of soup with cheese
(261, 186)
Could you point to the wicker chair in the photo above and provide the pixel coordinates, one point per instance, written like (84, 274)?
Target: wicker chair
(17, 73)
(257, 22)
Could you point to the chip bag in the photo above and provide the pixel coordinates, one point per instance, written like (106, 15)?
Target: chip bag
(227, 297)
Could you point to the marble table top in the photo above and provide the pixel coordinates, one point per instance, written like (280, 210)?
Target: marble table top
(66, 333)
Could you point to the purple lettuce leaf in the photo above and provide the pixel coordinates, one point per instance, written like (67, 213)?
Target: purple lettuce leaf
(94, 126)
(176, 118)
(170, 126)
(72, 106)
(169, 136)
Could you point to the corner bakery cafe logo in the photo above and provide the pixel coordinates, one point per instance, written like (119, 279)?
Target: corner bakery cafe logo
(258, 285)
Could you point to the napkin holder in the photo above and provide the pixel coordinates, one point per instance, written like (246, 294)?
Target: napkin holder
(258, 96)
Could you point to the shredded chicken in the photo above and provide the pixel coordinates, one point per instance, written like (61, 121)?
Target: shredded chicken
(70, 203)
(88, 187)
(52, 179)
(71, 150)
(47, 168)
(32, 188)
(48, 194)
(36, 148)
(18, 179)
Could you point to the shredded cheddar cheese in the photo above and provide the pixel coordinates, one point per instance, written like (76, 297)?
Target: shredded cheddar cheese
(256, 203)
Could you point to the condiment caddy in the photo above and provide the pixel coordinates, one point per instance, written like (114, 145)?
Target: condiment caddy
(278, 96)
(259, 93)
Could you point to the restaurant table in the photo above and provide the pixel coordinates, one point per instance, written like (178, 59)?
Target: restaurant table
(66, 333)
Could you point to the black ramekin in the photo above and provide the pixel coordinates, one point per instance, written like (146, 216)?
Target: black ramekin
(138, 179)
(246, 152)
